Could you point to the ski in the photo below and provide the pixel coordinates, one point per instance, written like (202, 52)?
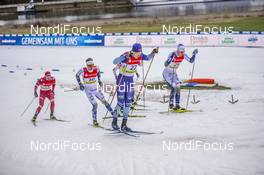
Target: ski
(130, 116)
(146, 132)
(55, 119)
(180, 111)
(141, 109)
(113, 131)
(123, 132)
(99, 126)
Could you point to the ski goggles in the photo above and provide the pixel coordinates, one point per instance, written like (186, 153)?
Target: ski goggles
(89, 63)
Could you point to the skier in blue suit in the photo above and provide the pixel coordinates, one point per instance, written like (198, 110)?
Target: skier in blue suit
(128, 63)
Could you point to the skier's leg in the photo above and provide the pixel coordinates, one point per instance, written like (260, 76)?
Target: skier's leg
(119, 105)
(177, 96)
(169, 81)
(99, 95)
(178, 93)
(120, 99)
(50, 96)
(129, 95)
(42, 97)
(92, 100)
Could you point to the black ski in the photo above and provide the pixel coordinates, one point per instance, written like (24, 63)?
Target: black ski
(130, 116)
(55, 119)
(146, 132)
(123, 132)
(113, 131)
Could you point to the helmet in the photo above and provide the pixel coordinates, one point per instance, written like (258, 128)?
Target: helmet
(137, 47)
(180, 48)
(47, 73)
(89, 61)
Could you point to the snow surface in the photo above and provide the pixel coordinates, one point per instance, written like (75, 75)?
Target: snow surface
(241, 124)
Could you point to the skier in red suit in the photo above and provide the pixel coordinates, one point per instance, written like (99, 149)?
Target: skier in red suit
(47, 86)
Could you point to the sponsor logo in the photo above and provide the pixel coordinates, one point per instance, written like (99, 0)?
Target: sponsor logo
(144, 40)
(89, 41)
(228, 40)
(118, 41)
(199, 40)
(253, 39)
(169, 40)
(8, 41)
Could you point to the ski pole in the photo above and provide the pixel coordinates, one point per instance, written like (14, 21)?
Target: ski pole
(143, 84)
(47, 108)
(144, 92)
(114, 94)
(189, 87)
(27, 106)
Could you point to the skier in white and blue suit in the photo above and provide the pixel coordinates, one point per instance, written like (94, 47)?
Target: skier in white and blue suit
(128, 63)
(170, 73)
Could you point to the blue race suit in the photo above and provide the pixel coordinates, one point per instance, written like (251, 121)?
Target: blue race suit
(125, 82)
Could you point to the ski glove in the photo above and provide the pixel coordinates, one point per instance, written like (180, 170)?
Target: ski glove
(137, 74)
(81, 86)
(195, 51)
(36, 94)
(155, 50)
(100, 83)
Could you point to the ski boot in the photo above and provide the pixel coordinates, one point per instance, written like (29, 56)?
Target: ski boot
(178, 107)
(114, 124)
(34, 119)
(171, 106)
(52, 117)
(95, 123)
(124, 126)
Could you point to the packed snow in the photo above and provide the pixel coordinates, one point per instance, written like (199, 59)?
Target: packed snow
(238, 128)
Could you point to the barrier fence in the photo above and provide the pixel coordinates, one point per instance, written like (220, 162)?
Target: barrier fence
(235, 39)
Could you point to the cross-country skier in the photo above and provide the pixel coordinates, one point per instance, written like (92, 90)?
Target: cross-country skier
(125, 84)
(47, 86)
(170, 74)
(91, 78)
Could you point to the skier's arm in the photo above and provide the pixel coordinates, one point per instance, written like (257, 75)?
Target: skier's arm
(99, 78)
(151, 55)
(169, 59)
(115, 70)
(118, 60)
(53, 86)
(36, 88)
(78, 74)
(191, 60)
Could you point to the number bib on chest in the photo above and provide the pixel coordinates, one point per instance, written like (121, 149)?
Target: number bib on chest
(46, 84)
(89, 77)
(176, 61)
(129, 68)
